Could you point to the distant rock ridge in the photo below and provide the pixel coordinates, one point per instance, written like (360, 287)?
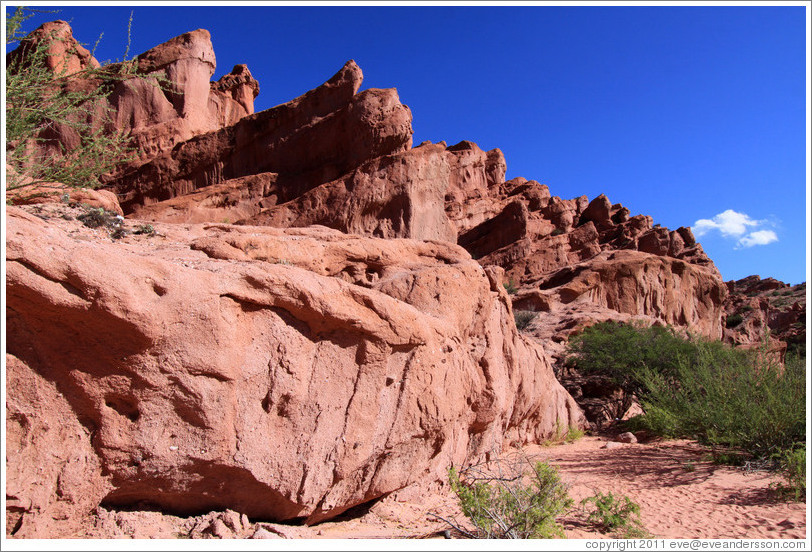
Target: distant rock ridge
(766, 309)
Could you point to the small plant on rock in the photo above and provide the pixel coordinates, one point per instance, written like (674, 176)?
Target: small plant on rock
(145, 229)
(510, 287)
(95, 218)
(523, 318)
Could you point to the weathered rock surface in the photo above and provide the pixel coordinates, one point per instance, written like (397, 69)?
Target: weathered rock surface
(53, 192)
(196, 360)
(403, 195)
(64, 55)
(168, 99)
(52, 471)
(308, 141)
(757, 307)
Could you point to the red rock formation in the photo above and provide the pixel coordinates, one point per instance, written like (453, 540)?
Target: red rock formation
(64, 55)
(194, 361)
(757, 309)
(308, 141)
(198, 358)
(400, 195)
(168, 99)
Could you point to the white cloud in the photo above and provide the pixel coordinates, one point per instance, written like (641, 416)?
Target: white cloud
(729, 223)
(732, 224)
(761, 237)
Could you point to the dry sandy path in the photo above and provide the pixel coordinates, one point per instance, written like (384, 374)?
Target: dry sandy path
(681, 494)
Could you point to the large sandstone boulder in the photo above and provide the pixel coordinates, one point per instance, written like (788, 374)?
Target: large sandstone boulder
(285, 374)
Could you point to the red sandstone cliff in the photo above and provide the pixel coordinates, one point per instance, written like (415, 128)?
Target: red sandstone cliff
(246, 357)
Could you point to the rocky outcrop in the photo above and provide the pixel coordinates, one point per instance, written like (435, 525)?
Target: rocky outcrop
(171, 97)
(63, 54)
(191, 362)
(623, 286)
(161, 98)
(759, 309)
(400, 195)
(308, 141)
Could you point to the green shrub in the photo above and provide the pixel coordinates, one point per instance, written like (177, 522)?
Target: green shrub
(620, 351)
(523, 318)
(738, 402)
(146, 229)
(43, 107)
(733, 400)
(502, 506)
(620, 515)
(510, 287)
(733, 320)
(792, 465)
(572, 434)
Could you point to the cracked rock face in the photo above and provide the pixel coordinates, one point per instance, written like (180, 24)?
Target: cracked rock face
(280, 373)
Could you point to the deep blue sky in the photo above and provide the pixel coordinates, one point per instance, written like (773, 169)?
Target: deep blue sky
(681, 113)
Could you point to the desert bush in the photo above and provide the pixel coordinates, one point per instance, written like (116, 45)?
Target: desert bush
(523, 318)
(145, 229)
(42, 105)
(510, 287)
(503, 505)
(733, 320)
(620, 351)
(792, 466)
(572, 434)
(618, 515)
(739, 402)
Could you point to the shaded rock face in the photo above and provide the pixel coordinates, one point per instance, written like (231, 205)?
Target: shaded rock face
(189, 365)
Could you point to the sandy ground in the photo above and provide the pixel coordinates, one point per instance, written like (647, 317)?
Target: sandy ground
(681, 494)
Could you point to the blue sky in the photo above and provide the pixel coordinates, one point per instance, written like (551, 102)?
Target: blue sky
(695, 115)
